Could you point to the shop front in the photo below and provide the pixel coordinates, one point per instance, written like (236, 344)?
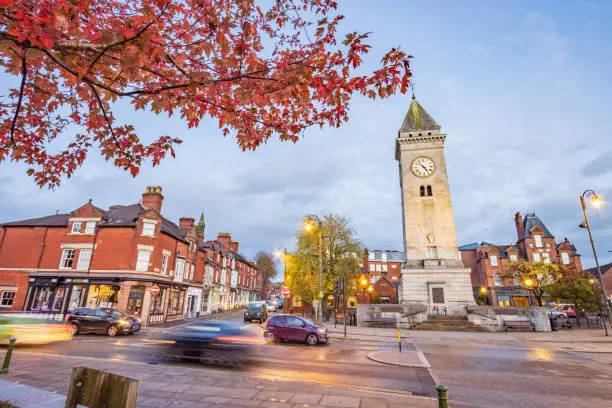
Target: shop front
(59, 296)
(194, 300)
(508, 296)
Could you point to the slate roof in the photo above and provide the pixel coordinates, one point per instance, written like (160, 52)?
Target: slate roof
(604, 268)
(530, 221)
(115, 216)
(417, 118)
(501, 249)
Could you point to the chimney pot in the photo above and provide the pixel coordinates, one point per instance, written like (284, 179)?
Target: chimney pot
(186, 223)
(152, 198)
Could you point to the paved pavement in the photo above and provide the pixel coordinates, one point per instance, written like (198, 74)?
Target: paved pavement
(180, 386)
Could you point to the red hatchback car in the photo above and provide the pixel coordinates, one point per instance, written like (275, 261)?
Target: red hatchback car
(293, 328)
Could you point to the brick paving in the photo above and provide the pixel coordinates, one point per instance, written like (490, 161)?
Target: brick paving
(164, 386)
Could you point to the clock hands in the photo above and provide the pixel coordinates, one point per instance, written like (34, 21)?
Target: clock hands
(424, 168)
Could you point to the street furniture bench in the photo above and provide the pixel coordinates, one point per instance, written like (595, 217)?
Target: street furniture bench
(519, 324)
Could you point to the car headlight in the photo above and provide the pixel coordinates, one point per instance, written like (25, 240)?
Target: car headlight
(124, 322)
(322, 330)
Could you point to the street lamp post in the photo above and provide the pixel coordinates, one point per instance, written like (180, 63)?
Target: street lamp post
(308, 227)
(595, 201)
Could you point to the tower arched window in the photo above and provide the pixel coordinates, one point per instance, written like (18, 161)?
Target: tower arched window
(422, 191)
(429, 193)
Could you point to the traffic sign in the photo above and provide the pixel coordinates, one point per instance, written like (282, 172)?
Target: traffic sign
(155, 290)
(285, 292)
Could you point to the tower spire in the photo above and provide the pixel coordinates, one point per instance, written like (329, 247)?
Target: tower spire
(201, 226)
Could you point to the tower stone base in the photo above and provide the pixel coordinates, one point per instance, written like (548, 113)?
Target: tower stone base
(447, 290)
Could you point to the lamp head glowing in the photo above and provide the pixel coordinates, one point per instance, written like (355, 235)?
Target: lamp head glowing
(596, 201)
(528, 283)
(483, 290)
(364, 281)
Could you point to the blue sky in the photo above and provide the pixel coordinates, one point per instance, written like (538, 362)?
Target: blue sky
(522, 89)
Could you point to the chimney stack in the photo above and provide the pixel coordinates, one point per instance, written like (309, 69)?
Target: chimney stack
(520, 229)
(152, 199)
(186, 223)
(225, 238)
(234, 245)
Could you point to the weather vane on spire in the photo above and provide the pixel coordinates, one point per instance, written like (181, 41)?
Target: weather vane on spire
(412, 83)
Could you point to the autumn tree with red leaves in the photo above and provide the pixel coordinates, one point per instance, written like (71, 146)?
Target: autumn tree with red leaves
(260, 68)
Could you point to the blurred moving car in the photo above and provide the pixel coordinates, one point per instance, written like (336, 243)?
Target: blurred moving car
(32, 330)
(293, 328)
(569, 312)
(212, 342)
(135, 321)
(256, 311)
(270, 306)
(94, 320)
(556, 313)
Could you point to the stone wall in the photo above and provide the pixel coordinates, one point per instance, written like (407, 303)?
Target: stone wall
(493, 318)
(404, 316)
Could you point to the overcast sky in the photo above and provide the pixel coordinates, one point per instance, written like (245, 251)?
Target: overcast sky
(522, 89)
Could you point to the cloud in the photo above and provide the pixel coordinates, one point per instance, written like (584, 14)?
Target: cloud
(599, 166)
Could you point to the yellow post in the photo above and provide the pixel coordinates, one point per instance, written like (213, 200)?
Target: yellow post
(399, 339)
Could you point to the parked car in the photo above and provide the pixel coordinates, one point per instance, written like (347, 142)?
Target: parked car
(293, 328)
(256, 311)
(95, 320)
(568, 312)
(32, 330)
(212, 342)
(135, 321)
(556, 313)
(270, 306)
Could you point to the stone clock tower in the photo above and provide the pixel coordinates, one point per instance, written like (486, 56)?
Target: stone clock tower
(433, 274)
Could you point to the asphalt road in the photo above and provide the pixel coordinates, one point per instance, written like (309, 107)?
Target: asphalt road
(338, 363)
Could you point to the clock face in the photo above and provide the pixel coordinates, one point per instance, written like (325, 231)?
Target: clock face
(422, 167)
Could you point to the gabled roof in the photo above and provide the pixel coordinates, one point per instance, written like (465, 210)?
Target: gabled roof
(473, 246)
(417, 118)
(116, 216)
(531, 221)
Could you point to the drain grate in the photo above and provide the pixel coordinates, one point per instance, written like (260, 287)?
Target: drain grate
(421, 394)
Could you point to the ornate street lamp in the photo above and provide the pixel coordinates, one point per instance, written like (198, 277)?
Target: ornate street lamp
(596, 202)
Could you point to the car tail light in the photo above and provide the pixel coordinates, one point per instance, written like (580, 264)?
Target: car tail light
(69, 316)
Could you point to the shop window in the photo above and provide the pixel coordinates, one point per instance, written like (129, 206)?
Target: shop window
(142, 263)
(497, 280)
(77, 227)
(75, 297)
(58, 300)
(158, 301)
(84, 259)
(177, 299)
(67, 258)
(134, 305)
(565, 258)
(90, 227)
(42, 298)
(6, 298)
(503, 301)
(164, 265)
(148, 229)
(102, 296)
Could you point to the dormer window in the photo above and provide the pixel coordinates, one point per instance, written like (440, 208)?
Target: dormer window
(538, 241)
(77, 227)
(148, 229)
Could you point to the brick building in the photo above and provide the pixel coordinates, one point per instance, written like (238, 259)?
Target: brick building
(606, 277)
(489, 262)
(129, 257)
(382, 270)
